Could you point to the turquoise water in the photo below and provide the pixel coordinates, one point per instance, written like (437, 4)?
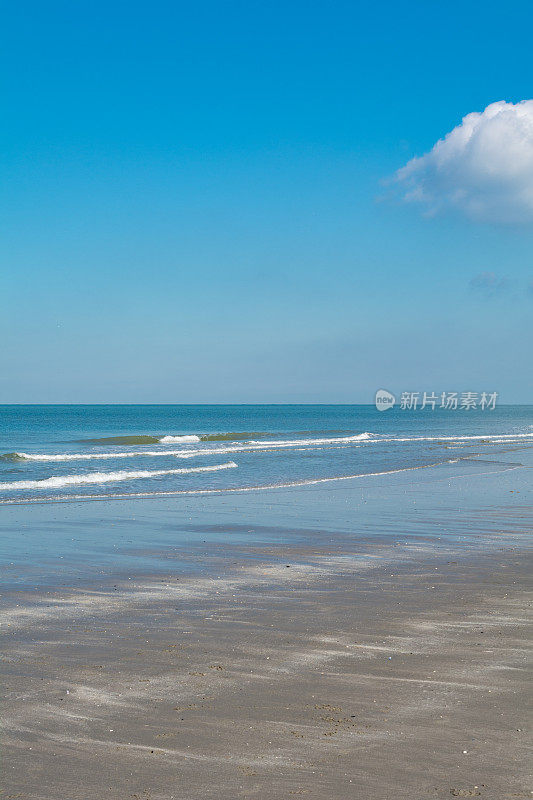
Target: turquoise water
(51, 453)
(56, 530)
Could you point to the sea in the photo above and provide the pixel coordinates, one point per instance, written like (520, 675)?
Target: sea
(106, 496)
(52, 453)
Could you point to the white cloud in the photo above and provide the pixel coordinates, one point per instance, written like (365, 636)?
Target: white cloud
(483, 168)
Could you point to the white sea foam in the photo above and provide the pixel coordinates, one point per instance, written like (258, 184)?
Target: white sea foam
(59, 481)
(252, 445)
(244, 489)
(358, 437)
(493, 437)
(99, 456)
(179, 439)
(278, 444)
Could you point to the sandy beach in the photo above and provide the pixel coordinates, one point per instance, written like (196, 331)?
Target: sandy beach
(383, 667)
(266, 415)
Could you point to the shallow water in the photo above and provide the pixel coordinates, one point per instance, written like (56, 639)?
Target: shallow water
(51, 453)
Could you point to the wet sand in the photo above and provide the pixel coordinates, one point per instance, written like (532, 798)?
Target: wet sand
(394, 671)
(364, 641)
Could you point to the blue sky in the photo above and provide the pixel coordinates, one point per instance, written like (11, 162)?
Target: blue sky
(196, 207)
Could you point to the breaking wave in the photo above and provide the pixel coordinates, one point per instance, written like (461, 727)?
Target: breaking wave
(190, 438)
(243, 489)
(358, 437)
(106, 477)
(250, 446)
(255, 445)
(181, 439)
(125, 440)
(100, 456)
(234, 436)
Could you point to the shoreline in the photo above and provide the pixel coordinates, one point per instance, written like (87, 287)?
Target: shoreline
(465, 461)
(330, 644)
(81, 543)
